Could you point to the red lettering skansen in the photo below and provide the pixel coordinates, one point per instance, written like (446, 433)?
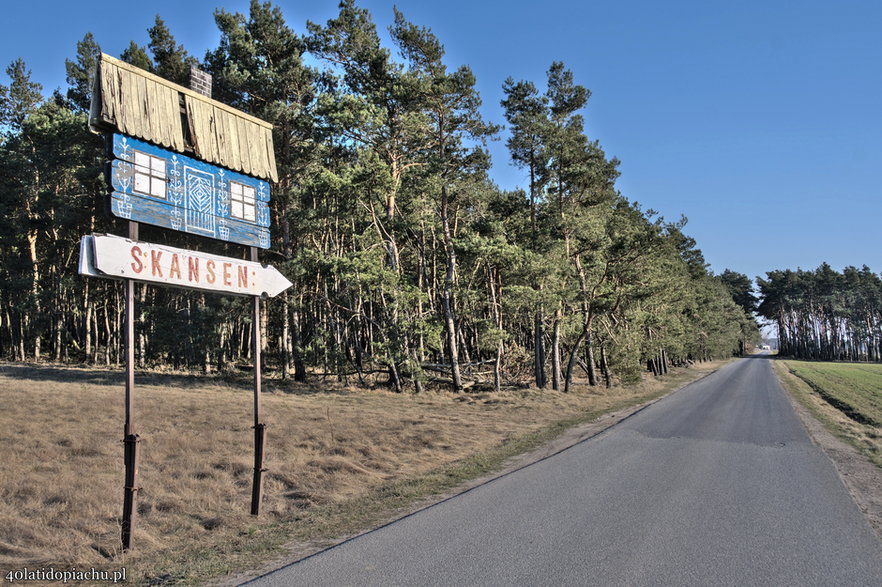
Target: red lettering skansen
(117, 257)
(228, 281)
(193, 268)
(175, 267)
(155, 257)
(137, 264)
(210, 278)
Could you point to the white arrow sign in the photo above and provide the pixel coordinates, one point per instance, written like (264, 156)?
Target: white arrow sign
(104, 255)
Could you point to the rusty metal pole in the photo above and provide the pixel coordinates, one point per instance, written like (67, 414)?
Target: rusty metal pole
(131, 439)
(259, 426)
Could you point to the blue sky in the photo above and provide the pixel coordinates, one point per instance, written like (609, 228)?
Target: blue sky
(761, 121)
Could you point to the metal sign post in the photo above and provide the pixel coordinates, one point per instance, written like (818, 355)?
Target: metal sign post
(131, 440)
(259, 426)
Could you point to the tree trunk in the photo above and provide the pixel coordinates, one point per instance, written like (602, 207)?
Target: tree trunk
(285, 339)
(572, 361)
(447, 294)
(556, 375)
(299, 367)
(604, 367)
(108, 336)
(35, 289)
(87, 322)
(589, 356)
(539, 351)
(496, 302)
(141, 319)
(95, 338)
(21, 339)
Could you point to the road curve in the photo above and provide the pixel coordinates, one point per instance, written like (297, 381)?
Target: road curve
(717, 484)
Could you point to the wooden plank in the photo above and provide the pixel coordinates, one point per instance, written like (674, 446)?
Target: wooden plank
(244, 147)
(168, 119)
(214, 147)
(257, 149)
(232, 156)
(121, 258)
(270, 155)
(214, 134)
(129, 68)
(165, 215)
(137, 104)
(244, 144)
(171, 112)
(196, 128)
(223, 142)
(124, 119)
(154, 115)
(107, 92)
(204, 141)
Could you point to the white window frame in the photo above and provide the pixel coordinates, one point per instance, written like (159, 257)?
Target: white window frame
(243, 201)
(151, 178)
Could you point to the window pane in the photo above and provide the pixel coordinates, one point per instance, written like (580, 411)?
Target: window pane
(249, 212)
(236, 209)
(142, 183)
(159, 167)
(236, 189)
(158, 188)
(248, 192)
(142, 159)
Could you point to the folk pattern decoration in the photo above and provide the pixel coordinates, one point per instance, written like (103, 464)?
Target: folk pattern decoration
(200, 201)
(167, 189)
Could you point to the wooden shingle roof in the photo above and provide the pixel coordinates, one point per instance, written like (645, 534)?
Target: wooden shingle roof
(135, 102)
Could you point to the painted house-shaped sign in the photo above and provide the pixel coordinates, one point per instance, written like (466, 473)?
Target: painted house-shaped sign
(182, 160)
(174, 191)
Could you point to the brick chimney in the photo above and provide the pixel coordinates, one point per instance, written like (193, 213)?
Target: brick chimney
(200, 81)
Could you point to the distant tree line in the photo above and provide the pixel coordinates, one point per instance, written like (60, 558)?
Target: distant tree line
(824, 314)
(410, 266)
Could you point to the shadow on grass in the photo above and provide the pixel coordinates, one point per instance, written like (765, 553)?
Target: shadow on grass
(115, 376)
(241, 379)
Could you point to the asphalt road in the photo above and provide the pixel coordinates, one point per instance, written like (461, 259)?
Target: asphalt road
(717, 484)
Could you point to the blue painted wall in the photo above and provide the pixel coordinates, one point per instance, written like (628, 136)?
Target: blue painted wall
(197, 200)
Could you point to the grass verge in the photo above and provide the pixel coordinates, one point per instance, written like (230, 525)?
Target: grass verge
(845, 397)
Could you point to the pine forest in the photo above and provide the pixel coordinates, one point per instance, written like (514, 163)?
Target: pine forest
(411, 268)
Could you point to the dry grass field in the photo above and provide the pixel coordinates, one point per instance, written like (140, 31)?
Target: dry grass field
(338, 460)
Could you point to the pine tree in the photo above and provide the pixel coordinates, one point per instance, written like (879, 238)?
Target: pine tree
(171, 60)
(80, 73)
